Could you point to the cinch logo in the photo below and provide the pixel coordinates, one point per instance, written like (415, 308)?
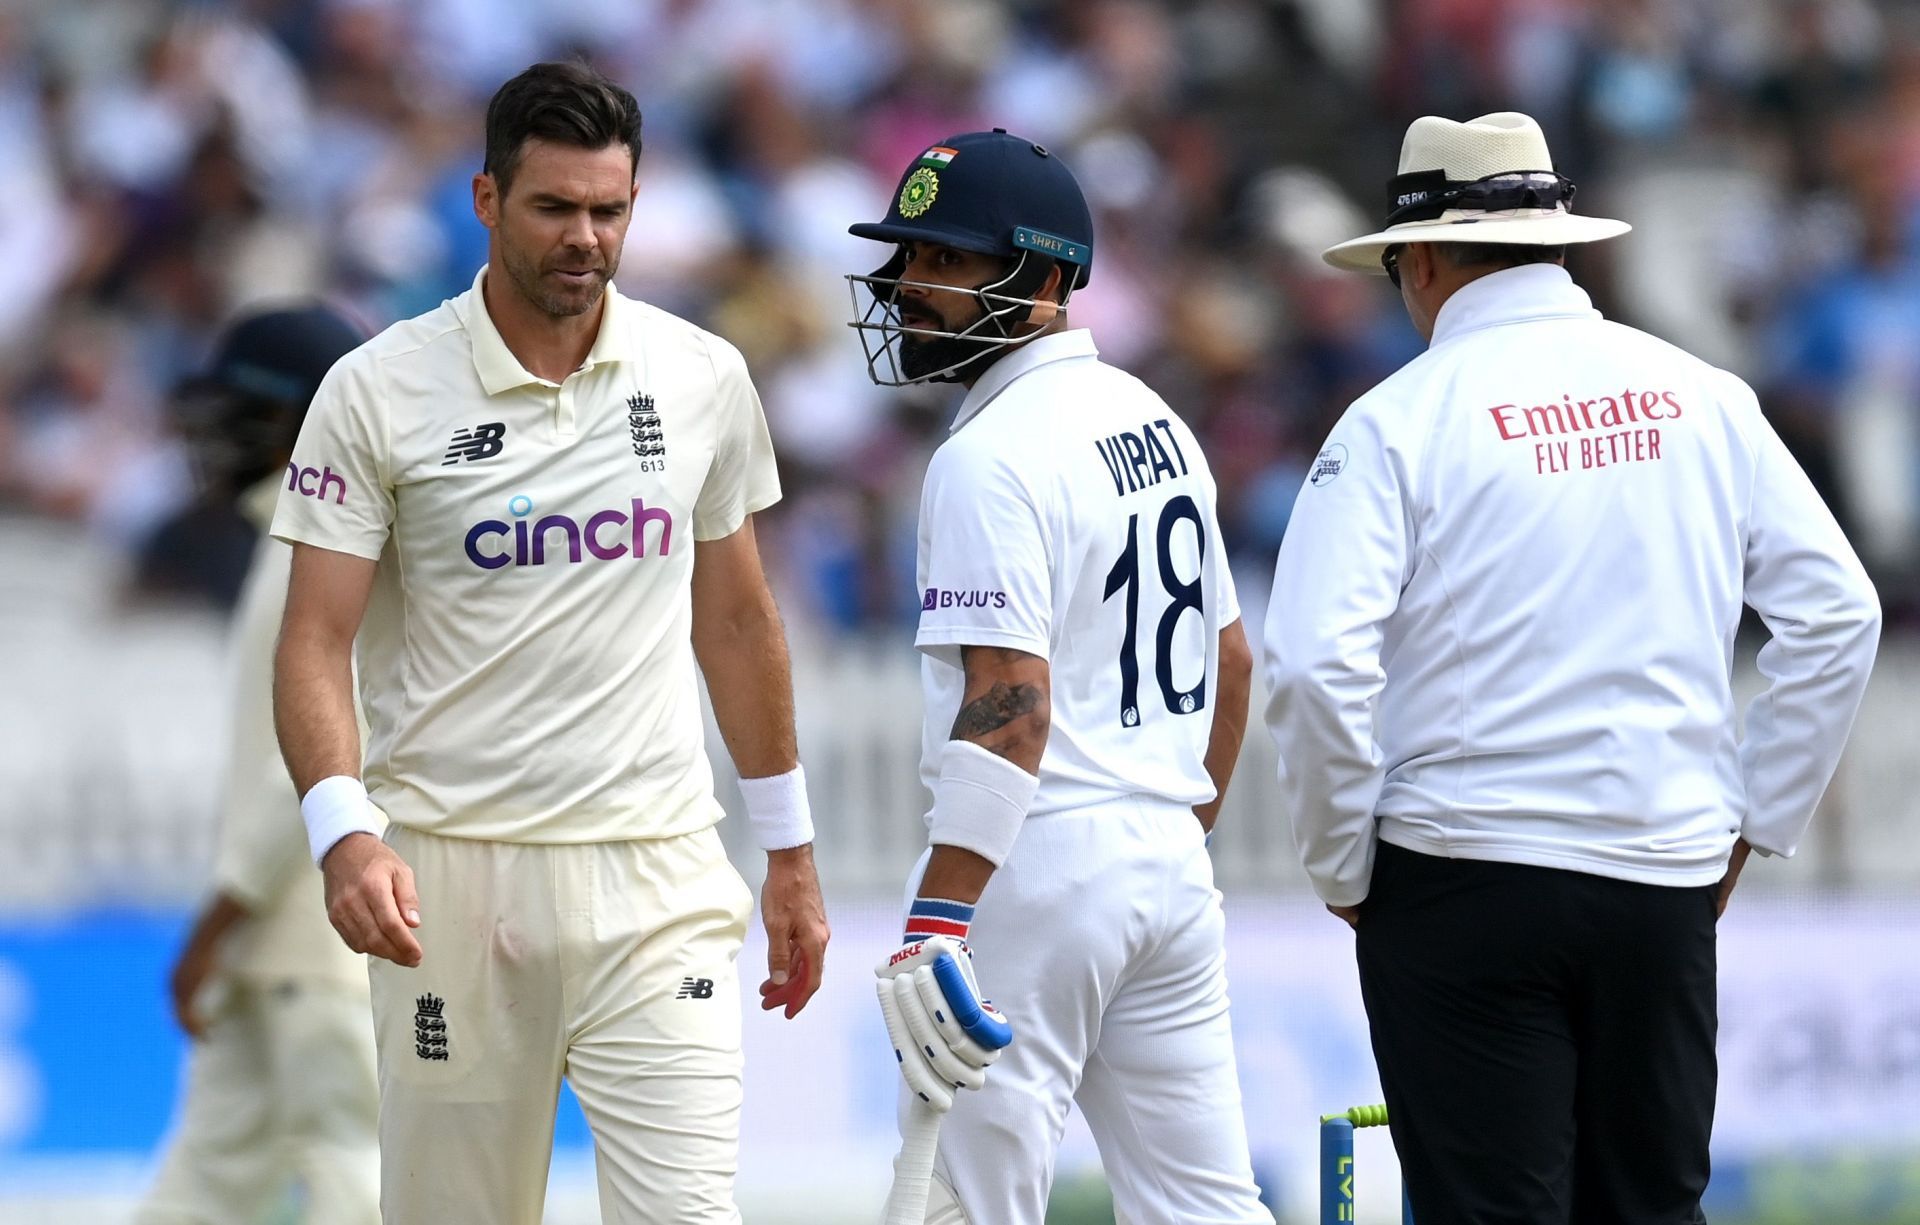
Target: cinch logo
(530, 542)
(937, 597)
(317, 483)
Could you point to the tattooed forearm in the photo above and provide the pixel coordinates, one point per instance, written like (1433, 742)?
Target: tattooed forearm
(994, 709)
(1006, 708)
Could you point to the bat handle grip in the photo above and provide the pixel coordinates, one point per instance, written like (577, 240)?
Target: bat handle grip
(913, 1168)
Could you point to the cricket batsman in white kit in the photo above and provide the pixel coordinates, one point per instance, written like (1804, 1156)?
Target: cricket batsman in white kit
(280, 1090)
(534, 507)
(1086, 680)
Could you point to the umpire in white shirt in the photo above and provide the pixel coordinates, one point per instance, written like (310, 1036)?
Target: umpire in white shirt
(1498, 654)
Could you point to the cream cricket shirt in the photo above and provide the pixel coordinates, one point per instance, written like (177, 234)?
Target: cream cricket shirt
(1071, 515)
(262, 857)
(525, 661)
(1503, 616)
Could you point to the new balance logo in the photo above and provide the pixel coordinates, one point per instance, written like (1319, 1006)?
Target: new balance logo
(430, 1028)
(695, 989)
(480, 442)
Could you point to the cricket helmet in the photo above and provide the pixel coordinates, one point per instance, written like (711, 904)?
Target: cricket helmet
(990, 193)
(242, 413)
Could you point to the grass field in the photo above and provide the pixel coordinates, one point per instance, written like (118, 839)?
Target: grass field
(1837, 1189)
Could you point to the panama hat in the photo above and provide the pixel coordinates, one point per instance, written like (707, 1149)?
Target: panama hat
(1489, 179)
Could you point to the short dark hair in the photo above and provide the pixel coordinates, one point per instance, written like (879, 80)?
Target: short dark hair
(567, 102)
(1498, 254)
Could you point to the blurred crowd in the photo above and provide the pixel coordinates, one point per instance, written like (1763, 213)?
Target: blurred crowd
(170, 164)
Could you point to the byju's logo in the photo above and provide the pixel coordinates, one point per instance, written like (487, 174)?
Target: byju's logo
(480, 442)
(487, 549)
(430, 1028)
(947, 597)
(317, 483)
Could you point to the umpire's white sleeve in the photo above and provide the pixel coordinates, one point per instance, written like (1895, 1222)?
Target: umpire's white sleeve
(1346, 556)
(1806, 583)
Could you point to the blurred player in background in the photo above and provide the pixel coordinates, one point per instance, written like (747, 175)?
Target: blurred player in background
(280, 1089)
(540, 496)
(1500, 645)
(1085, 677)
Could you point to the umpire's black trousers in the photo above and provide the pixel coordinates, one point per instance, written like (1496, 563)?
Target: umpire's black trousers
(1545, 1039)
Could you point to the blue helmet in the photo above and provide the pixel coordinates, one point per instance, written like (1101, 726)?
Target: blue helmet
(990, 193)
(241, 415)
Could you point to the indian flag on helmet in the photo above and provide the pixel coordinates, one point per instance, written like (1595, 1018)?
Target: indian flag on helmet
(936, 157)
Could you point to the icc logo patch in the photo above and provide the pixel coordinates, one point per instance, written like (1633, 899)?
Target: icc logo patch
(1327, 465)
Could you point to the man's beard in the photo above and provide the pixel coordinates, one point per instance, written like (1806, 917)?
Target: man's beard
(529, 278)
(921, 356)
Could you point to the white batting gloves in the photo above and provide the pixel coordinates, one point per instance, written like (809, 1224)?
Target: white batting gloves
(944, 1035)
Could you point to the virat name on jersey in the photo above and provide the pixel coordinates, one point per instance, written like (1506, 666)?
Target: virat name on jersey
(1139, 460)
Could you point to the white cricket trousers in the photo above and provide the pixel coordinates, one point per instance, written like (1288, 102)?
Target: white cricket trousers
(1102, 940)
(609, 963)
(279, 1093)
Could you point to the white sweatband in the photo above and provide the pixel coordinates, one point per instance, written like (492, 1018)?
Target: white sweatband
(333, 808)
(980, 801)
(777, 809)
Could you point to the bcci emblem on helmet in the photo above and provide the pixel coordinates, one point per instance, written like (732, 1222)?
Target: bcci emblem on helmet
(916, 197)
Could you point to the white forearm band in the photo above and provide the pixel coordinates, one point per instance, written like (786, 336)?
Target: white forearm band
(777, 809)
(980, 801)
(333, 808)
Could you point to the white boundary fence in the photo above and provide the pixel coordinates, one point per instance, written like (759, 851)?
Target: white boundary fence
(111, 726)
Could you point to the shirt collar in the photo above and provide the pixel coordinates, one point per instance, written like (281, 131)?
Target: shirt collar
(500, 370)
(1054, 347)
(1512, 295)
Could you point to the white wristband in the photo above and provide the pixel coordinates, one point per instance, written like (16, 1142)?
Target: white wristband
(333, 808)
(980, 801)
(777, 809)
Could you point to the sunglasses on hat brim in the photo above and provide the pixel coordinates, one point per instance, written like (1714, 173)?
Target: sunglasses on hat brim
(1427, 195)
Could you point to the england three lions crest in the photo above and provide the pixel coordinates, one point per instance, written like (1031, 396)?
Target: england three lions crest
(643, 427)
(430, 1029)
